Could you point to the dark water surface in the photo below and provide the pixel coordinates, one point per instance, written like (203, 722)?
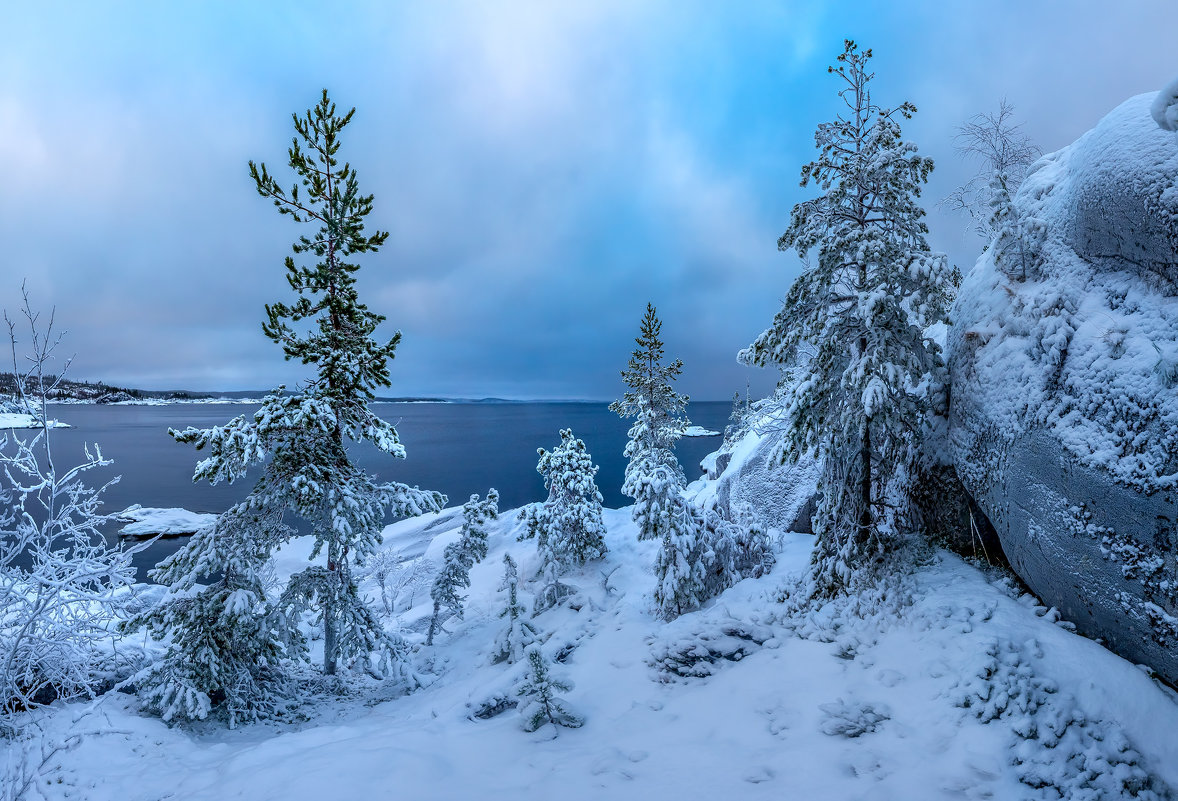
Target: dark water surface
(455, 448)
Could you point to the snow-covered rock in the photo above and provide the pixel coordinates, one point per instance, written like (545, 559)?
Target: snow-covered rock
(699, 431)
(147, 521)
(10, 420)
(742, 473)
(1064, 406)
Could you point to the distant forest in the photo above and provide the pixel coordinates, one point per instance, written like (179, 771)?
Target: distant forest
(96, 391)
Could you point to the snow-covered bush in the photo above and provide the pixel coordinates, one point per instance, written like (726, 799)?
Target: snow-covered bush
(694, 650)
(517, 633)
(459, 557)
(850, 719)
(540, 704)
(62, 588)
(1058, 752)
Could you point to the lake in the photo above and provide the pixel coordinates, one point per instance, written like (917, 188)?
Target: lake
(455, 448)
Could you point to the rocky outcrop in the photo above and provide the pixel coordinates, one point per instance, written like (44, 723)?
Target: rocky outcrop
(1064, 387)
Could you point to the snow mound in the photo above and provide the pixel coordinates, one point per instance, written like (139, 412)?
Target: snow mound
(1164, 109)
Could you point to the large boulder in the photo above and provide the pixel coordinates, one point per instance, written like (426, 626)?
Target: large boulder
(1064, 386)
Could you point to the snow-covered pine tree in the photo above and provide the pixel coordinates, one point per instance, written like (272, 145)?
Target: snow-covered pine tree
(659, 421)
(345, 506)
(1018, 238)
(680, 569)
(754, 551)
(459, 557)
(567, 526)
(863, 305)
(228, 637)
(515, 637)
(538, 691)
(654, 478)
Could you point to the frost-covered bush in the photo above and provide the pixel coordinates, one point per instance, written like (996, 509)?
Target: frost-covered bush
(62, 588)
(850, 719)
(540, 704)
(1057, 751)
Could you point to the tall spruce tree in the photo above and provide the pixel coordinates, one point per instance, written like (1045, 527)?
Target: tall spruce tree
(863, 305)
(344, 504)
(228, 638)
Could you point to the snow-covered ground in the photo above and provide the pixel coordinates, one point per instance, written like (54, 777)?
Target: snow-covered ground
(947, 685)
(699, 431)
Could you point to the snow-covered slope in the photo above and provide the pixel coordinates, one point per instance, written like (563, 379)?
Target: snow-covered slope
(946, 684)
(1065, 386)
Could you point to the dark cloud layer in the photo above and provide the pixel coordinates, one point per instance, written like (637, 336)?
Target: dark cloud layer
(544, 169)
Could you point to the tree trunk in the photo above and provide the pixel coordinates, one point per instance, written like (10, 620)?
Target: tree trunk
(865, 521)
(433, 626)
(329, 622)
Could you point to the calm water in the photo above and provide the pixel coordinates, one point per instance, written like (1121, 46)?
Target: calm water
(455, 448)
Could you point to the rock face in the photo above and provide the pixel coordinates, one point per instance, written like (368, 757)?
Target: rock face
(782, 496)
(1064, 404)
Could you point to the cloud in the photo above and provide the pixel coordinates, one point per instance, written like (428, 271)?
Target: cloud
(544, 169)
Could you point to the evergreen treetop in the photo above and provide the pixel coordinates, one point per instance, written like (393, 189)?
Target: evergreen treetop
(657, 408)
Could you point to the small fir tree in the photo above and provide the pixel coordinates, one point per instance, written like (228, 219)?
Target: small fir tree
(567, 527)
(538, 691)
(659, 422)
(863, 306)
(754, 551)
(518, 633)
(681, 580)
(654, 478)
(459, 557)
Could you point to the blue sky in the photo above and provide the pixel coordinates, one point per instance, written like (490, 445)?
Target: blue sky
(544, 168)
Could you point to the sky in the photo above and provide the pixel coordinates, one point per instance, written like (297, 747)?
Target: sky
(544, 169)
